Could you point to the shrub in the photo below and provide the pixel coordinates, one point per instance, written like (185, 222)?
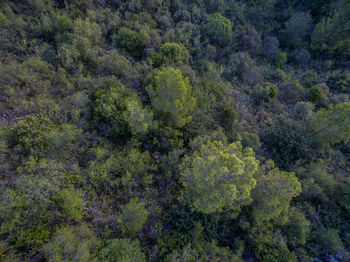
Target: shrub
(271, 47)
(120, 110)
(250, 40)
(133, 217)
(171, 97)
(122, 250)
(171, 53)
(131, 41)
(72, 243)
(219, 29)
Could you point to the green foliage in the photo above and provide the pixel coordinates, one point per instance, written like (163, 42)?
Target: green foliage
(332, 125)
(72, 243)
(133, 217)
(131, 41)
(269, 245)
(30, 205)
(207, 252)
(298, 227)
(170, 54)
(29, 130)
(296, 30)
(332, 34)
(329, 239)
(290, 140)
(109, 172)
(219, 177)
(72, 203)
(316, 94)
(267, 91)
(281, 59)
(273, 192)
(171, 96)
(345, 199)
(123, 250)
(227, 115)
(219, 29)
(120, 123)
(120, 110)
(281, 254)
(339, 81)
(39, 136)
(292, 91)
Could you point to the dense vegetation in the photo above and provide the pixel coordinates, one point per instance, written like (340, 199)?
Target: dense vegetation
(173, 130)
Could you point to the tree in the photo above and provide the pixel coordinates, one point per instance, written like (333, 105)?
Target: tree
(271, 47)
(345, 196)
(133, 217)
(171, 96)
(332, 34)
(298, 227)
(109, 172)
(267, 91)
(316, 94)
(171, 53)
(120, 110)
(27, 210)
(27, 133)
(219, 29)
(72, 203)
(131, 41)
(332, 125)
(219, 177)
(296, 30)
(208, 252)
(122, 250)
(250, 41)
(244, 67)
(273, 192)
(72, 243)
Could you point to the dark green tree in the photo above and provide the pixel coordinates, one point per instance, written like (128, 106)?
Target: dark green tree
(219, 29)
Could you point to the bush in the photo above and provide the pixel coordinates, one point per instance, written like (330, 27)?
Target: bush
(271, 47)
(328, 239)
(267, 91)
(72, 243)
(250, 40)
(122, 250)
(281, 59)
(133, 217)
(243, 66)
(316, 94)
(131, 41)
(227, 115)
(298, 227)
(299, 57)
(171, 97)
(120, 111)
(219, 29)
(171, 54)
(331, 34)
(292, 92)
(296, 30)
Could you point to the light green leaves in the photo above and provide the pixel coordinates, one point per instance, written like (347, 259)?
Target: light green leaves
(219, 177)
(171, 97)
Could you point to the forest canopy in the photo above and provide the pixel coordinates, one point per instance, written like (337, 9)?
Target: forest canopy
(172, 130)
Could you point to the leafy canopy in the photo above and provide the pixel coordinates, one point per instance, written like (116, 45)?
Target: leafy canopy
(218, 177)
(219, 29)
(171, 97)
